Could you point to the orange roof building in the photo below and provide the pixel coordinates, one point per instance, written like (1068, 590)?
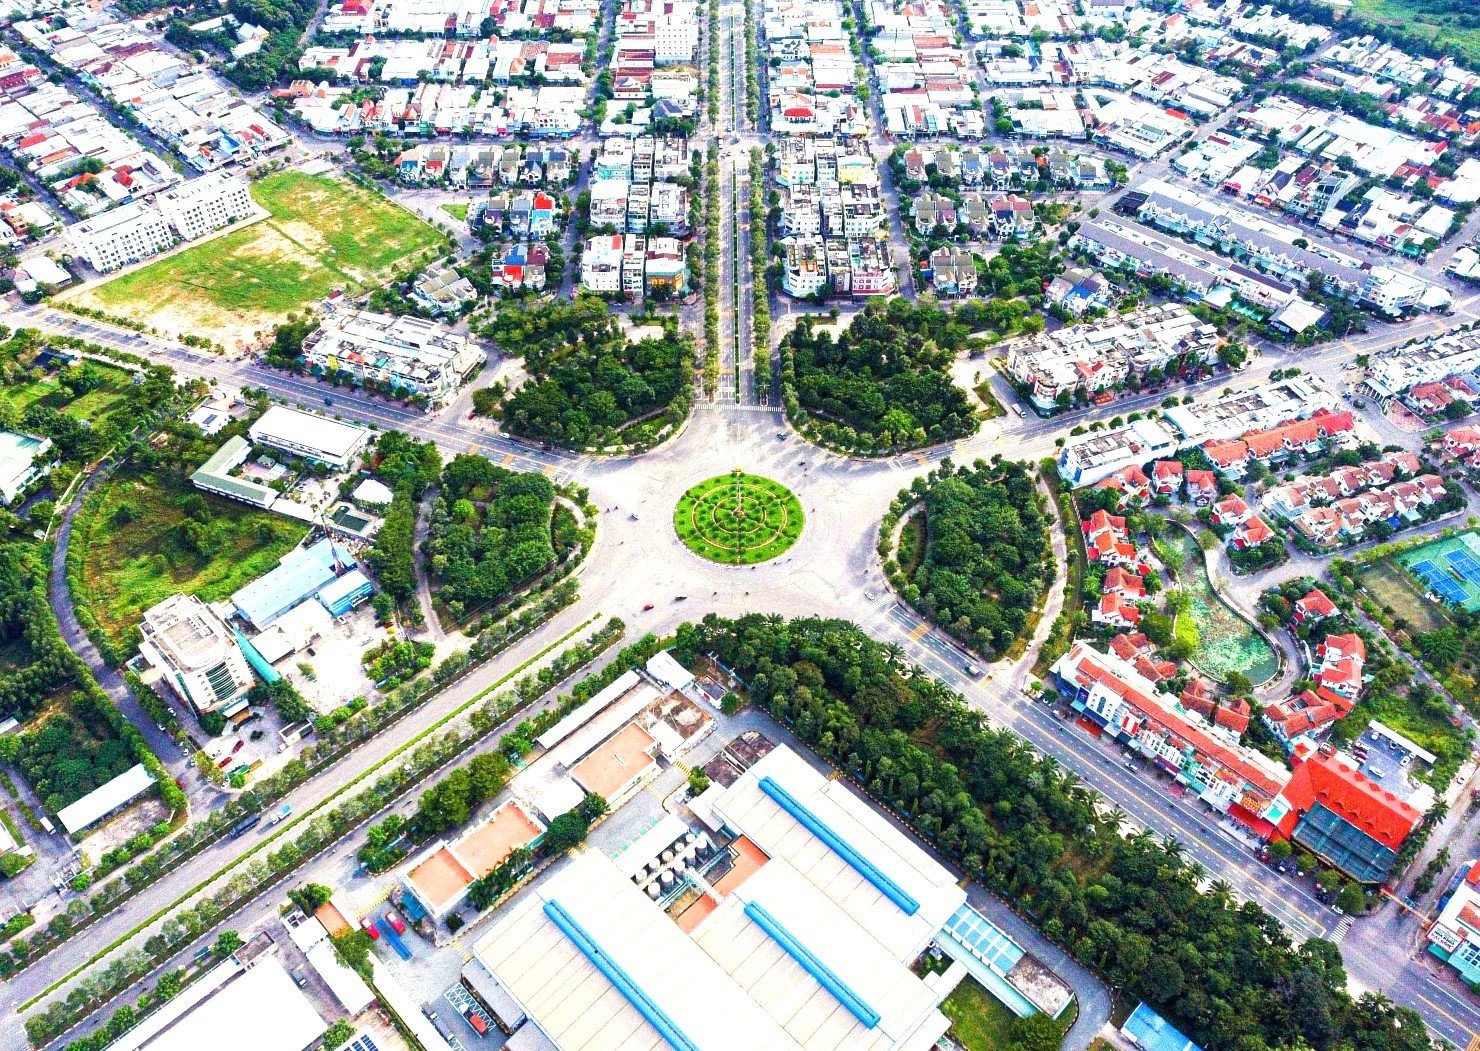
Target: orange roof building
(1345, 818)
(440, 877)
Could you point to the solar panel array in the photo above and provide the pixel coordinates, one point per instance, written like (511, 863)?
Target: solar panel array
(983, 940)
(363, 1043)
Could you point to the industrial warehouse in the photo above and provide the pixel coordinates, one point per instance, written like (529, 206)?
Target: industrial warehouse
(788, 916)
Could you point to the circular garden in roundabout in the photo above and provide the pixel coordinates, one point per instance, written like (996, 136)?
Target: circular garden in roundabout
(738, 519)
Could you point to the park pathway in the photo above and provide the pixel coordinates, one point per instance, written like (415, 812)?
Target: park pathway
(60, 596)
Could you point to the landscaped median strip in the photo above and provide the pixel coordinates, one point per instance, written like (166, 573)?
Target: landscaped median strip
(308, 815)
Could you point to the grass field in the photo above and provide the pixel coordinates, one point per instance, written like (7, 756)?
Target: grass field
(18, 397)
(992, 408)
(978, 1019)
(1392, 588)
(130, 563)
(321, 234)
(1419, 16)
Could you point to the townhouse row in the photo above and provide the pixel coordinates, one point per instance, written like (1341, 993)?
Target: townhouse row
(184, 104)
(431, 109)
(1084, 361)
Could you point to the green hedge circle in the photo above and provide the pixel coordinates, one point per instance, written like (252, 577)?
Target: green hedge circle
(738, 519)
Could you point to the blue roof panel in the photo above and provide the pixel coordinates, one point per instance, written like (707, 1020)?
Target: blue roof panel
(298, 576)
(1155, 1033)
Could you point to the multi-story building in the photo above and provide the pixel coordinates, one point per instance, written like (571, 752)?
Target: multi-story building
(1095, 456)
(1396, 372)
(409, 354)
(601, 264)
(1091, 358)
(1454, 936)
(1109, 691)
(1118, 242)
(196, 654)
(197, 207)
(129, 233)
(1277, 249)
(805, 270)
(23, 459)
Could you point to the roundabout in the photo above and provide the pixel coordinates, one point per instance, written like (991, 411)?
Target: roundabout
(738, 519)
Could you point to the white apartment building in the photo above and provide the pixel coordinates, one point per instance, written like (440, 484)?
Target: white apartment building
(1095, 456)
(805, 272)
(202, 205)
(125, 235)
(1098, 356)
(195, 652)
(601, 264)
(414, 356)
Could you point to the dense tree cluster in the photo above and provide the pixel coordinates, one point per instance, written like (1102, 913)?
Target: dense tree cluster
(885, 381)
(285, 21)
(71, 753)
(987, 555)
(586, 380)
(408, 467)
(26, 620)
(491, 530)
(1129, 907)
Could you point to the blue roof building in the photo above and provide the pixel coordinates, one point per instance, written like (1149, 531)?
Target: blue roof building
(344, 593)
(299, 576)
(1150, 1031)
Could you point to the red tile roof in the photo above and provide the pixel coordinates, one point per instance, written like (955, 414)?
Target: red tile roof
(1352, 796)
(1316, 604)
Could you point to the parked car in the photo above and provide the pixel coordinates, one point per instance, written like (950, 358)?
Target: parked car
(394, 919)
(368, 926)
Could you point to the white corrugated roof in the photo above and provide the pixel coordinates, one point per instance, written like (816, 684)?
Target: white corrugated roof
(663, 667)
(134, 781)
(578, 718)
(259, 1009)
(282, 425)
(906, 1005)
(747, 809)
(575, 1005)
(347, 986)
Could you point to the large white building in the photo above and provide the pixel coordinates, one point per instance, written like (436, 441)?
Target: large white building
(808, 917)
(196, 654)
(309, 435)
(235, 1006)
(22, 460)
(201, 205)
(125, 235)
(413, 356)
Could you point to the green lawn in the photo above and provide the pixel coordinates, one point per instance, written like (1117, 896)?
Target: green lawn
(18, 397)
(992, 408)
(1420, 16)
(321, 234)
(130, 563)
(978, 1019)
(738, 519)
(1401, 598)
(457, 211)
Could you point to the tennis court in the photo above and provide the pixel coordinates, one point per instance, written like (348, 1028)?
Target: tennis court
(1449, 569)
